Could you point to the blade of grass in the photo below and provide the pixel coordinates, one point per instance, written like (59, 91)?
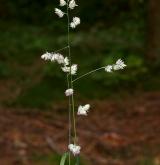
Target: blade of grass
(63, 159)
(77, 160)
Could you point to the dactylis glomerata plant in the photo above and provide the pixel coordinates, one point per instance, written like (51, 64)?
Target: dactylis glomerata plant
(70, 70)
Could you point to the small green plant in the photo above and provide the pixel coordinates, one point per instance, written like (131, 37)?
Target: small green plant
(70, 70)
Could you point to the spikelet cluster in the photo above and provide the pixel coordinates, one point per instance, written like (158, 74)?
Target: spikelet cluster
(75, 149)
(72, 4)
(119, 65)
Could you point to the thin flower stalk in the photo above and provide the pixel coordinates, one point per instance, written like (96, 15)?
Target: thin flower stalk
(59, 50)
(118, 66)
(69, 120)
(71, 83)
(70, 70)
(88, 73)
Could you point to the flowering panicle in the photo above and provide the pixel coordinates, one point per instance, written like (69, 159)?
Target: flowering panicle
(70, 70)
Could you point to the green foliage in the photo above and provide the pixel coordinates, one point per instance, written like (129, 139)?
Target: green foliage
(99, 48)
(26, 11)
(63, 159)
(23, 44)
(52, 159)
(5, 70)
(41, 95)
(147, 161)
(101, 41)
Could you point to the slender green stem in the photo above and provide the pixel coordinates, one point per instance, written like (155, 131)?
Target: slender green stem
(71, 84)
(88, 73)
(69, 119)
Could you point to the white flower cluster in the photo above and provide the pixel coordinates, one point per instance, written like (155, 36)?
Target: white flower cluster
(76, 21)
(72, 69)
(75, 149)
(46, 56)
(62, 3)
(54, 57)
(71, 5)
(59, 12)
(60, 59)
(118, 66)
(69, 92)
(83, 110)
(57, 57)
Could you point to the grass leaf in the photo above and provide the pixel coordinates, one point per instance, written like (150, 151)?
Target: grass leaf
(77, 160)
(63, 159)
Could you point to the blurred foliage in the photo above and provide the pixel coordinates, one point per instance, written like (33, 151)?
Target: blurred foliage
(109, 30)
(26, 11)
(148, 161)
(51, 159)
(5, 71)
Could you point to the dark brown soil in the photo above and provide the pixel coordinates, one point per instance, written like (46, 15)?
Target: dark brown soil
(122, 132)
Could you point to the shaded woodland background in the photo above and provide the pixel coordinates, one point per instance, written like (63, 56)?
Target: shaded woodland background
(33, 112)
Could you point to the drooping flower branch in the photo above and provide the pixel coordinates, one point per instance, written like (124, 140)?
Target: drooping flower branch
(70, 70)
(119, 65)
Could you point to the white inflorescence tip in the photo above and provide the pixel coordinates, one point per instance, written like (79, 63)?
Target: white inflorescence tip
(75, 149)
(117, 66)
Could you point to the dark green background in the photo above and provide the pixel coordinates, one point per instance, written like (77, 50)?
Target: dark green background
(109, 30)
